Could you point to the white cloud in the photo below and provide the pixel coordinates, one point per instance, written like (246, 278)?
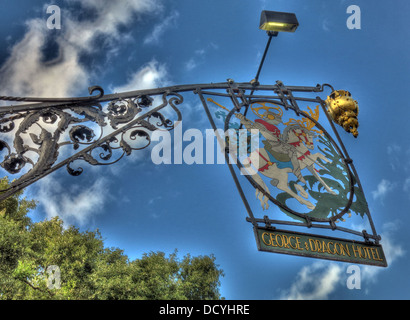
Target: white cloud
(406, 185)
(161, 28)
(384, 187)
(326, 25)
(393, 149)
(190, 64)
(74, 204)
(394, 152)
(149, 76)
(199, 56)
(109, 17)
(314, 282)
(25, 73)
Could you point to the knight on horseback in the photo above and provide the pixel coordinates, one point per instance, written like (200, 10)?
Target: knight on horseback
(282, 153)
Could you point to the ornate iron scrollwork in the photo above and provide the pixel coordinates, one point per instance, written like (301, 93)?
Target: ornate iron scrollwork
(41, 132)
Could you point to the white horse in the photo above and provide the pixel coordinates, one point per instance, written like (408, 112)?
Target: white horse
(296, 142)
(301, 140)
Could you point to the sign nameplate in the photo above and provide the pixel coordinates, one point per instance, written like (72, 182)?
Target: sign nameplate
(317, 246)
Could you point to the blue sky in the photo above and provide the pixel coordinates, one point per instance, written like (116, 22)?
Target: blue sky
(142, 207)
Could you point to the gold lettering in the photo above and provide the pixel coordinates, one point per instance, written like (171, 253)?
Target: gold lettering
(290, 242)
(311, 243)
(263, 239)
(328, 248)
(366, 249)
(318, 245)
(272, 240)
(345, 249)
(358, 251)
(298, 243)
(285, 240)
(377, 253)
(373, 250)
(323, 246)
(336, 251)
(354, 251)
(281, 240)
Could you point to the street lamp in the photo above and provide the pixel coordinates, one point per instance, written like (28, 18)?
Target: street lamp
(274, 22)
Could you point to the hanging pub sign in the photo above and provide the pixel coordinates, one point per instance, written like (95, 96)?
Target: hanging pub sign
(291, 167)
(300, 172)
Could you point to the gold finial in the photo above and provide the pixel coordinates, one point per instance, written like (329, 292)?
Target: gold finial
(344, 110)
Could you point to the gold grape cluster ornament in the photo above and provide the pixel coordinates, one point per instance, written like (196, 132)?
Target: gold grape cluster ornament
(344, 110)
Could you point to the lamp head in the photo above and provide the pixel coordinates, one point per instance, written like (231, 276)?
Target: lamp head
(273, 21)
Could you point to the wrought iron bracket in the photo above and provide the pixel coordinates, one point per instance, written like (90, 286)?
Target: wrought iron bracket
(45, 134)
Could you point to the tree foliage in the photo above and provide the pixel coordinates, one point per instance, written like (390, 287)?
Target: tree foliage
(89, 270)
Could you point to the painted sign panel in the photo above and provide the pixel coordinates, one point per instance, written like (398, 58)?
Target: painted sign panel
(300, 165)
(316, 246)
